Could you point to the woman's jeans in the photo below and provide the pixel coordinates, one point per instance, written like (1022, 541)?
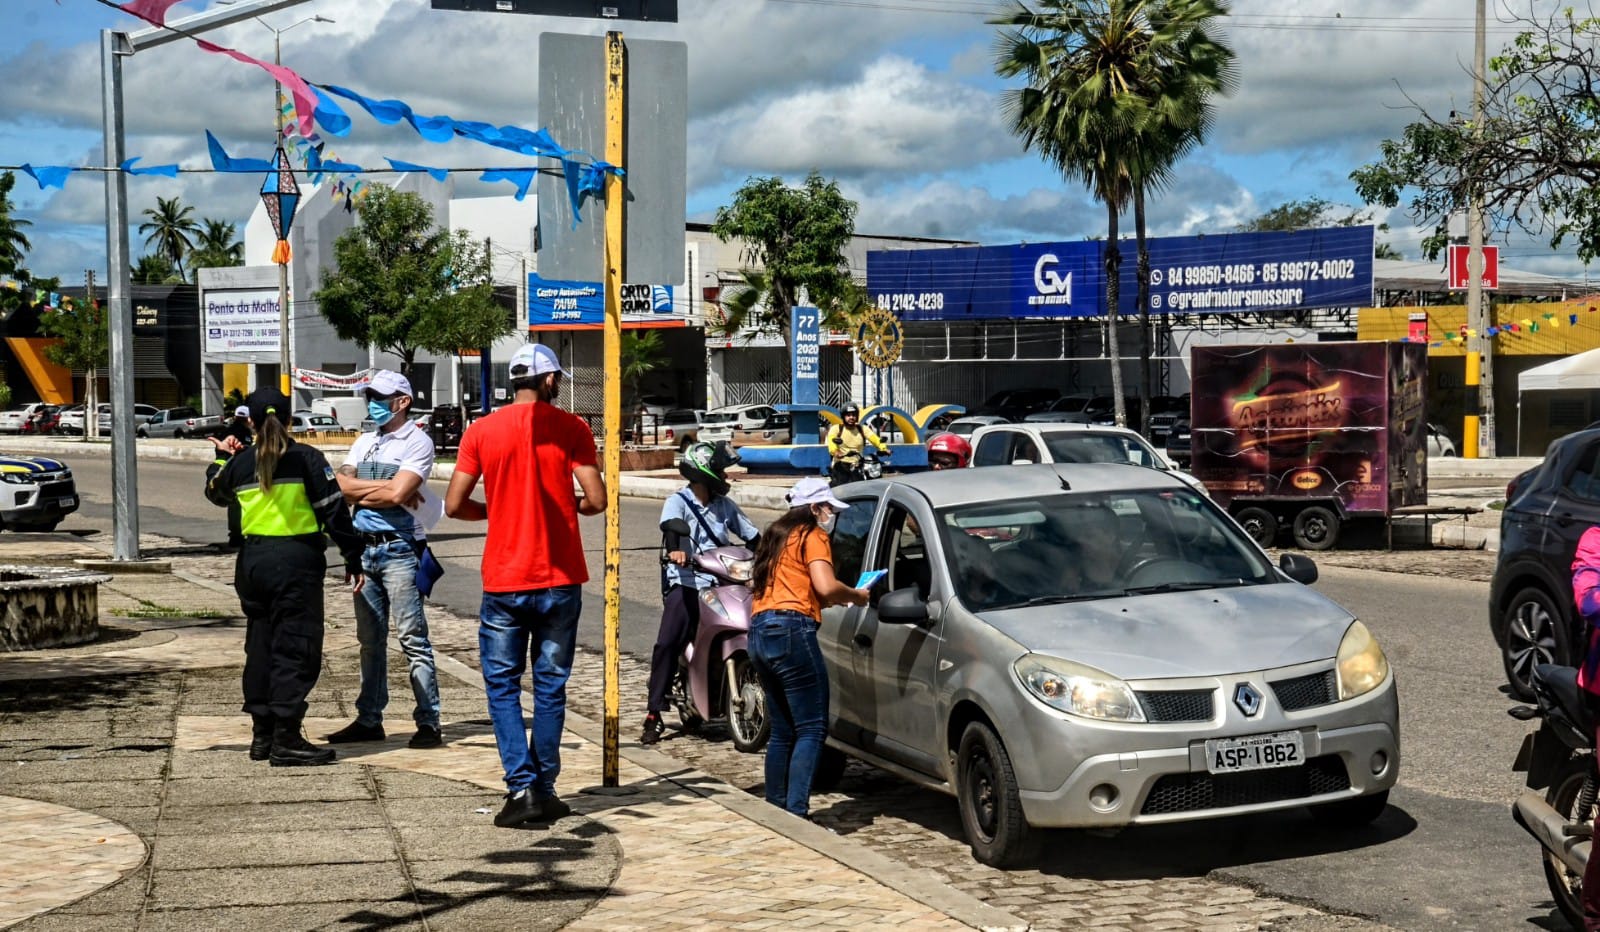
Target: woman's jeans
(786, 657)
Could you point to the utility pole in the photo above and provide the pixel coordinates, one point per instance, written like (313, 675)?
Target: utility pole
(91, 379)
(615, 269)
(1478, 440)
(285, 380)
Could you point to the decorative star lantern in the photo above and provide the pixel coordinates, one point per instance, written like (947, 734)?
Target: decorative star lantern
(281, 193)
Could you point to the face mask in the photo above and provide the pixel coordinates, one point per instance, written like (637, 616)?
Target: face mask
(379, 412)
(825, 525)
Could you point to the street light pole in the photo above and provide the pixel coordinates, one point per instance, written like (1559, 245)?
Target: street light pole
(285, 383)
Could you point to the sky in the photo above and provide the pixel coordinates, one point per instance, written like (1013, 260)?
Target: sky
(896, 99)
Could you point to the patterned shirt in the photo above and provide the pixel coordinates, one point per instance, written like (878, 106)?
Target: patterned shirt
(382, 455)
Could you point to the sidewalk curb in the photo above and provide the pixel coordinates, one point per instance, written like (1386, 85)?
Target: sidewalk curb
(953, 903)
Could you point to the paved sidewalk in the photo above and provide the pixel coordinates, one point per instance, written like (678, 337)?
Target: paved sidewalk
(143, 730)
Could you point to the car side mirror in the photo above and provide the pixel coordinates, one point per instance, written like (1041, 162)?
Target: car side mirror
(677, 526)
(903, 606)
(1299, 568)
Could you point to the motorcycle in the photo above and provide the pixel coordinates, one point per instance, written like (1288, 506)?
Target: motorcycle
(715, 679)
(869, 466)
(1558, 808)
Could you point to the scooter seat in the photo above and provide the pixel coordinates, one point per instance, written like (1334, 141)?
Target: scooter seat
(1558, 693)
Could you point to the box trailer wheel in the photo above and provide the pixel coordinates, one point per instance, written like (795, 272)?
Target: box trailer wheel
(1316, 527)
(1259, 523)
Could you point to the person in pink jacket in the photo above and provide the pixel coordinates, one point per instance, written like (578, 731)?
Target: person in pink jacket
(1586, 593)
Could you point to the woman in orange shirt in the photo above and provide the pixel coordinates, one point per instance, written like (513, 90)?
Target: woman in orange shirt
(793, 580)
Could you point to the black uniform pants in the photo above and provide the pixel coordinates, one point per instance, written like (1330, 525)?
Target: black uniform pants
(279, 581)
(680, 615)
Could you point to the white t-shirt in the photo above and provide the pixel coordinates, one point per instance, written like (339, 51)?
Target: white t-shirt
(382, 455)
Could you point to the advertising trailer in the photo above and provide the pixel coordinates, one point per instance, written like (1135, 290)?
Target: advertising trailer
(1308, 436)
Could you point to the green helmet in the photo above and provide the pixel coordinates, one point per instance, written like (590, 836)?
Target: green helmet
(708, 463)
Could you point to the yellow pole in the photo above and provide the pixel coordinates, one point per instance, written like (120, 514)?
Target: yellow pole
(615, 263)
(1469, 429)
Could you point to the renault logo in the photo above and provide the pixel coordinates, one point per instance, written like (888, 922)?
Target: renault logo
(1247, 698)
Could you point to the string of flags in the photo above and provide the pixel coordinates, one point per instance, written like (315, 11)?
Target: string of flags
(1521, 327)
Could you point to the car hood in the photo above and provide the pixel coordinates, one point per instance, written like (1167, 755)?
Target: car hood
(1208, 633)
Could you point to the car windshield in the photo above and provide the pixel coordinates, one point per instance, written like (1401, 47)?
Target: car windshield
(1095, 545)
(1099, 448)
(720, 418)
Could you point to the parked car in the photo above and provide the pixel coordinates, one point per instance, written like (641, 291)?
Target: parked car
(141, 415)
(1015, 404)
(35, 493)
(179, 423)
(965, 426)
(1439, 442)
(1066, 409)
(11, 421)
(1026, 444)
(1165, 411)
(1180, 441)
(776, 430)
(310, 422)
(1095, 646)
(1531, 612)
(70, 420)
(445, 425)
(746, 417)
(685, 426)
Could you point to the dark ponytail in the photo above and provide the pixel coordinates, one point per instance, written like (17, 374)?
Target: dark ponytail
(773, 540)
(272, 439)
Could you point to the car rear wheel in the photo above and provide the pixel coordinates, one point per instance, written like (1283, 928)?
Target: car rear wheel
(991, 806)
(1260, 524)
(1534, 633)
(1316, 528)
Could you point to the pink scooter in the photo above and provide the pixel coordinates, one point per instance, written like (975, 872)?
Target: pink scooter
(715, 680)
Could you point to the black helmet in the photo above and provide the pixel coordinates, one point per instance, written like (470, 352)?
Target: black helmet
(849, 410)
(708, 464)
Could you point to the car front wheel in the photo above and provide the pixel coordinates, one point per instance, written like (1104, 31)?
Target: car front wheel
(1535, 634)
(991, 806)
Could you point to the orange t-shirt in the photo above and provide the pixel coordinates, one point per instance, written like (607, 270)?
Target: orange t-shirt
(789, 582)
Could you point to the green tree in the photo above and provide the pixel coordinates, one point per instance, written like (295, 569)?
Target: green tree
(85, 346)
(155, 269)
(403, 285)
(1309, 213)
(171, 230)
(793, 239)
(642, 354)
(14, 243)
(217, 246)
(1534, 160)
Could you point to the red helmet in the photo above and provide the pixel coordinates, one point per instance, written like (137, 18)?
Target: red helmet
(948, 451)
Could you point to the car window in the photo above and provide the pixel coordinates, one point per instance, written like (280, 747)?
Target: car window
(850, 532)
(1025, 449)
(1097, 448)
(1585, 479)
(904, 553)
(992, 449)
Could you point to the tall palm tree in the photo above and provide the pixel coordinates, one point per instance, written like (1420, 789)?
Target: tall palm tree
(1188, 67)
(14, 243)
(154, 269)
(1082, 60)
(170, 230)
(217, 246)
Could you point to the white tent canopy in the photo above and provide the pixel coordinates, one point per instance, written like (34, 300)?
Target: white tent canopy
(1577, 372)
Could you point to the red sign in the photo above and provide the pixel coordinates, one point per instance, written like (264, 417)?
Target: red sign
(1417, 330)
(1457, 267)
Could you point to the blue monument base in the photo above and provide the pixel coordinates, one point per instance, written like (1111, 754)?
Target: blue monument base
(813, 459)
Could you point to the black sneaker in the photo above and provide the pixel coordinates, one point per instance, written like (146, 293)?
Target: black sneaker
(520, 807)
(427, 736)
(355, 731)
(552, 808)
(652, 729)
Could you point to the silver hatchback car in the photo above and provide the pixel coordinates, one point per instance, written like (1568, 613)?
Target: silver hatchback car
(1096, 646)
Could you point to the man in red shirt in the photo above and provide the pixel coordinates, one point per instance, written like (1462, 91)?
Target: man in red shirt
(527, 455)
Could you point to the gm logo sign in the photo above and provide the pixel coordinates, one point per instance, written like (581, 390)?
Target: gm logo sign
(1052, 287)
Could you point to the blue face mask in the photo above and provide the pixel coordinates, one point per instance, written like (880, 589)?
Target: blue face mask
(379, 412)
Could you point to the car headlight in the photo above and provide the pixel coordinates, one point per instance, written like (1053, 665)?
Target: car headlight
(1362, 665)
(16, 478)
(1078, 690)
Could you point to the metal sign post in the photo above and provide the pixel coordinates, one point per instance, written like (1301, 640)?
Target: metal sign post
(615, 269)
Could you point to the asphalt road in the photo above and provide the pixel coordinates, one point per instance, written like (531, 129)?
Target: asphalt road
(1446, 855)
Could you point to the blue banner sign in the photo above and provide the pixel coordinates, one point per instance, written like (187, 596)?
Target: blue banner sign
(564, 304)
(1227, 273)
(806, 371)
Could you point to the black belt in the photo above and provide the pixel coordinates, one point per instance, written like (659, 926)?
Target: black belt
(373, 538)
(315, 540)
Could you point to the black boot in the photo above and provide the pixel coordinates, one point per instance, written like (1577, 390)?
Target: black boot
(260, 737)
(291, 749)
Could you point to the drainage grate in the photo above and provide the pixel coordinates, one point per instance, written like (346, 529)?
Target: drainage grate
(1185, 705)
(1304, 692)
(1194, 792)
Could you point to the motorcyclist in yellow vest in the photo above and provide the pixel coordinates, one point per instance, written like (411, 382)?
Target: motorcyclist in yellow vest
(847, 441)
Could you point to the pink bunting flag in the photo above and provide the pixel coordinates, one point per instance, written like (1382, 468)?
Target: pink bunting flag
(305, 101)
(152, 11)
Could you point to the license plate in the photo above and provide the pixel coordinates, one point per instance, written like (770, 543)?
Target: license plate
(1257, 752)
(69, 502)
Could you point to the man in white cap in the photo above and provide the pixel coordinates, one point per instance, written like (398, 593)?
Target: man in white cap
(383, 474)
(528, 453)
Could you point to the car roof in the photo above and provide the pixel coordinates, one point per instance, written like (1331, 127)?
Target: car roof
(950, 487)
(1041, 428)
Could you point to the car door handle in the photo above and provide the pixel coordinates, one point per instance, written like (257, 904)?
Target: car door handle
(863, 641)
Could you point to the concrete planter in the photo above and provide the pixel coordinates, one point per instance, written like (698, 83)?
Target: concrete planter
(43, 606)
(643, 460)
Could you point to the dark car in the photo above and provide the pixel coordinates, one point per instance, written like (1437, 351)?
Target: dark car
(1531, 610)
(1016, 403)
(1166, 411)
(446, 423)
(1180, 442)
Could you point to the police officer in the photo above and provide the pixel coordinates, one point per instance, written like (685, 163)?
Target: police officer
(288, 499)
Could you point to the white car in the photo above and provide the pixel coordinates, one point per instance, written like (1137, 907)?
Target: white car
(1022, 444)
(11, 421)
(966, 426)
(141, 415)
(743, 417)
(1439, 442)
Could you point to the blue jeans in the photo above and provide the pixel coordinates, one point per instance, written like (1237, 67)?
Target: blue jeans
(787, 659)
(391, 570)
(544, 621)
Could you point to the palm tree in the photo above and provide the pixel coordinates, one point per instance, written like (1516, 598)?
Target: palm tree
(14, 244)
(217, 246)
(1082, 60)
(170, 230)
(154, 269)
